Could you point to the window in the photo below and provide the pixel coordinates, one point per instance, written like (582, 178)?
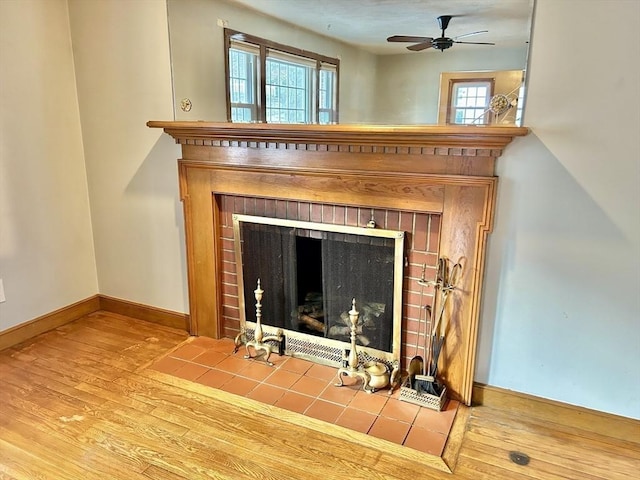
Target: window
(327, 91)
(242, 74)
(470, 101)
(288, 86)
(273, 83)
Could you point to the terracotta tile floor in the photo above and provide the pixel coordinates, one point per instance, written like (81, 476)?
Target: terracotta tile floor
(308, 388)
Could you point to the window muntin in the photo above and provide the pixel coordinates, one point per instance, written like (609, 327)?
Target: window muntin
(269, 82)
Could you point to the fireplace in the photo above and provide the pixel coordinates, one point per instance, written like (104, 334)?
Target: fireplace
(442, 173)
(421, 231)
(310, 272)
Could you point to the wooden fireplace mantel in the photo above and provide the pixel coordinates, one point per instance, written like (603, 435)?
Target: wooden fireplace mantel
(470, 136)
(436, 169)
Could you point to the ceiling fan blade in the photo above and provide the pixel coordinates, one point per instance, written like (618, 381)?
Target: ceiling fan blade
(407, 38)
(472, 33)
(476, 43)
(420, 46)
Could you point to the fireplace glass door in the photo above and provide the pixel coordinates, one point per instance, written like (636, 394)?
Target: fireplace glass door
(311, 272)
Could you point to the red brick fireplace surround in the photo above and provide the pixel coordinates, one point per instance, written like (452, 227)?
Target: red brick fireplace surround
(436, 183)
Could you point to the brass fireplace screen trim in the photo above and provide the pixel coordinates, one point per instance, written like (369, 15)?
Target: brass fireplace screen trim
(324, 344)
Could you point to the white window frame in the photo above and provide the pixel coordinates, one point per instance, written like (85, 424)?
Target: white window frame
(473, 110)
(249, 76)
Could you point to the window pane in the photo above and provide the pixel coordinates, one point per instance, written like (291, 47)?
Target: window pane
(288, 97)
(469, 102)
(242, 78)
(326, 92)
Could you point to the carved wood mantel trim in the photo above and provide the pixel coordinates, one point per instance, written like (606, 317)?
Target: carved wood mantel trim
(397, 138)
(437, 169)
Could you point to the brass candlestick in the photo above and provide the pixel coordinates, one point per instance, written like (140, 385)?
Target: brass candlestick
(353, 368)
(261, 349)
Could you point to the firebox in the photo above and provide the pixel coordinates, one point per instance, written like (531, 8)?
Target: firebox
(310, 273)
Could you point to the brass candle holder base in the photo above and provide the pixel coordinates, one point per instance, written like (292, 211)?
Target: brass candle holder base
(353, 368)
(261, 352)
(357, 374)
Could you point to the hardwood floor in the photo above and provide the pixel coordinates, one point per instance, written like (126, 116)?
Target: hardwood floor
(79, 403)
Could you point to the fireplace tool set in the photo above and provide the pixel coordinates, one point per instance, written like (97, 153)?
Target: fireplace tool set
(374, 375)
(422, 386)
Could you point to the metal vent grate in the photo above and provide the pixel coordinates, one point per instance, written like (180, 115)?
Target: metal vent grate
(305, 347)
(315, 352)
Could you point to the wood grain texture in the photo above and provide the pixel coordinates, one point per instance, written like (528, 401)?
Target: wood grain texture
(407, 160)
(291, 135)
(145, 312)
(44, 323)
(399, 192)
(571, 416)
(49, 321)
(79, 402)
(199, 230)
(463, 235)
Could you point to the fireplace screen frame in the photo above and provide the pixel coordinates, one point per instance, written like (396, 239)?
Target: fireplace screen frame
(319, 349)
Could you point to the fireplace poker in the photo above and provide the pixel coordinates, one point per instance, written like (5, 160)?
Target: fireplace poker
(416, 364)
(448, 282)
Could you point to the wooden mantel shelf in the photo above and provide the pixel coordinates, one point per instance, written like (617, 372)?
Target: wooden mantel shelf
(487, 137)
(444, 170)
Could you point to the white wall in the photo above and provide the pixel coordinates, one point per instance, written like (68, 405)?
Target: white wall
(561, 317)
(121, 52)
(46, 246)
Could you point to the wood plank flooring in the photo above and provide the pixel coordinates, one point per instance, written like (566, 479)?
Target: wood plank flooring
(78, 403)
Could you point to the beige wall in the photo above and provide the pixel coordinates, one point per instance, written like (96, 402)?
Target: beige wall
(121, 52)
(197, 45)
(385, 89)
(560, 316)
(562, 311)
(46, 247)
(408, 85)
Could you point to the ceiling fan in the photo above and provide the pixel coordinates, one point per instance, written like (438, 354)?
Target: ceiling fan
(441, 43)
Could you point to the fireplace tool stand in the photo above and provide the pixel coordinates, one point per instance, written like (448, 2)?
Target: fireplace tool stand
(262, 350)
(425, 389)
(353, 368)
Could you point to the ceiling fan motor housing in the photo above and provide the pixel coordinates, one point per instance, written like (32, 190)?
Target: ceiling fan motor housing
(442, 43)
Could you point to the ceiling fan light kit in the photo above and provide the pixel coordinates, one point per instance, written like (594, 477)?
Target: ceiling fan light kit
(441, 43)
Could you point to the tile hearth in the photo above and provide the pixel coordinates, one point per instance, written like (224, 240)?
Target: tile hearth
(307, 388)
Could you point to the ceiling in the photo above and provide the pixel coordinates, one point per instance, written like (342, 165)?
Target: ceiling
(367, 23)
